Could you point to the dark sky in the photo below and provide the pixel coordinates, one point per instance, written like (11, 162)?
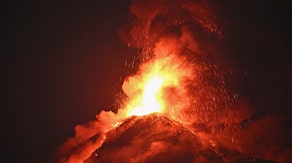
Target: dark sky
(62, 61)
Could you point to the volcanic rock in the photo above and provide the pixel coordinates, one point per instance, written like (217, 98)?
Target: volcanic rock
(152, 138)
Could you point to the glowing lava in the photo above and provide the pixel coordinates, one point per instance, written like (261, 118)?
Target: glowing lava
(150, 98)
(148, 91)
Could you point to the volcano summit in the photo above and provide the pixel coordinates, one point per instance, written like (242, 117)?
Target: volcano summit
(156, 138)
(152, 138)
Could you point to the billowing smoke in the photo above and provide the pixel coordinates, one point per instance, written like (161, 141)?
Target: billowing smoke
(185, 35)
(188, 29)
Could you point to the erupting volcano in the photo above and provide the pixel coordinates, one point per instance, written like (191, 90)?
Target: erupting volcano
(177, 107)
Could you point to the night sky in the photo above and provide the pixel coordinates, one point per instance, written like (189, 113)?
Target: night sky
(63, 61)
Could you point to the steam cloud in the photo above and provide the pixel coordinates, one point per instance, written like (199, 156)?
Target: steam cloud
(207, 104)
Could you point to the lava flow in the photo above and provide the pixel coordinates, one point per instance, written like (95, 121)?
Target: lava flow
(181, 79)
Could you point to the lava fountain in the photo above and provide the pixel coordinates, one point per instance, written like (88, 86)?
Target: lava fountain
(179, 90)
(148, 91)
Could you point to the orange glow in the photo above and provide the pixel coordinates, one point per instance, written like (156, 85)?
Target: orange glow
(148, 90)
(150, 101)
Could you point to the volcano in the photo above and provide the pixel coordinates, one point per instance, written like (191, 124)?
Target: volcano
(156, 138)
(152, 138)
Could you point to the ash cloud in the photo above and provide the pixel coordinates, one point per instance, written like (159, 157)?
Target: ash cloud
(88, 137)
(152, 20)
